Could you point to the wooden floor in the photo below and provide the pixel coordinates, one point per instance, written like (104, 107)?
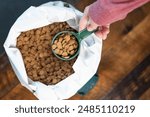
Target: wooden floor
(124, 71)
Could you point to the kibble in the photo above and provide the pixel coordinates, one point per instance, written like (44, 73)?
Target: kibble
(65, 45)
(35, 47)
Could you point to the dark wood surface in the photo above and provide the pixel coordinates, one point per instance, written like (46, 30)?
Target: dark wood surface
(124, 71)
(134, 84)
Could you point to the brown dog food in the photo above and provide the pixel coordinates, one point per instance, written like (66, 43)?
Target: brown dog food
(65, 45)
(41, 65)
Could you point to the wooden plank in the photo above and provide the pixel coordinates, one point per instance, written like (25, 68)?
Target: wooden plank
(146, 95)
(83, 3)
(134, 84)
(94, 94)
(146, 8)
(72, 2)
(7, 77)
(3, 61)
(19, 93)
(124, 55)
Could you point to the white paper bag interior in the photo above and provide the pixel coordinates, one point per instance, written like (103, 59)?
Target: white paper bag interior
(85, 66)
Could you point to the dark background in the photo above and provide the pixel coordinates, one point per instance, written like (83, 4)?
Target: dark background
(10, 10)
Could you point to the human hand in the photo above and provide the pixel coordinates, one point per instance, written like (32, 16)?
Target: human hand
(87, 22)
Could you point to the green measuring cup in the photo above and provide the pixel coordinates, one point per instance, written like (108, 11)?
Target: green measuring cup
(79, 37)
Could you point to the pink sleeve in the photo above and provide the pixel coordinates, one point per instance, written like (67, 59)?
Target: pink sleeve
(105, 12)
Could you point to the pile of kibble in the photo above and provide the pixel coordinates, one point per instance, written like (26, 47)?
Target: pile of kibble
(40, 63)
(65, 45)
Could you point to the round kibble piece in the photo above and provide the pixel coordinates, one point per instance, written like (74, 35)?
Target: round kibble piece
(72, 52)
(64, 54)
(70, 48)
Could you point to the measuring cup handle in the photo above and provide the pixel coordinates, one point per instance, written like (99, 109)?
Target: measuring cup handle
(85, 33)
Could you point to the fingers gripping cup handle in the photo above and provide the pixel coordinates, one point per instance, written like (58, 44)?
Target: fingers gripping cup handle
(85, 33)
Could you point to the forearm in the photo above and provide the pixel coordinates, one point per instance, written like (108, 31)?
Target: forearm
(104, 12)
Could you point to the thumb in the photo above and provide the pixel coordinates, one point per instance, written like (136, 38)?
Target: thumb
(83, 22)
(91, 25)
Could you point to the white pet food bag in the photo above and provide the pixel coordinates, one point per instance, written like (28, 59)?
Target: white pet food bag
(85, 66)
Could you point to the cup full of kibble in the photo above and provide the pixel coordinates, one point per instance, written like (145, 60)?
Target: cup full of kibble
(66, 44)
